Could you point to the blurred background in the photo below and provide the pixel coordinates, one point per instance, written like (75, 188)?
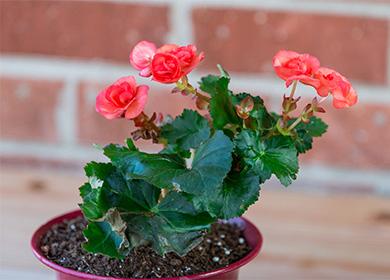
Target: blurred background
(332, 223)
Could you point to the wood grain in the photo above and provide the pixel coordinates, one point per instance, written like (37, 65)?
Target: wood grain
(307, 236)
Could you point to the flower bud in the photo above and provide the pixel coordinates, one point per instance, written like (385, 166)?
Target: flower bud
(245, 107)
(289, 104)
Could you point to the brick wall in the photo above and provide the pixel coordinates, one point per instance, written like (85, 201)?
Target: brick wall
(56, 55)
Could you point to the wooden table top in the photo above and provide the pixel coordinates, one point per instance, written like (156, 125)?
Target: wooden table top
(306, 236)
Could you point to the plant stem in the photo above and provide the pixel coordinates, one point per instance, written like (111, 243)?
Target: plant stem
(298, 120)
(197, 93)
(188, 87)
(294, 124)
(294, 87)
(322, 99)
(288, 102)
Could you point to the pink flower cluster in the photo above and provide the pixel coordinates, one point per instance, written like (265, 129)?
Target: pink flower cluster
(292, 66)
(167, 64)
(170, 63)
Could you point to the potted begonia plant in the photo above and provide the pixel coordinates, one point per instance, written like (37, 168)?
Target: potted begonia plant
(176, 214)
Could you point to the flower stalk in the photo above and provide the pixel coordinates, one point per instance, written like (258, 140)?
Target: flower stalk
(186, 88)
(294, 87)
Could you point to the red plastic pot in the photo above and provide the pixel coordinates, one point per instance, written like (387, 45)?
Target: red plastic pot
(251, 233)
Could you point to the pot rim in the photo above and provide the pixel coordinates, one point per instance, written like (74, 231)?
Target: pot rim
(250, 229)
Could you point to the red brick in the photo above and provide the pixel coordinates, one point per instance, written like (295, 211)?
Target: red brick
(32, 162)
(246, 40)
(357, 137)
(94, 128)
(85, 29)
(28, 109)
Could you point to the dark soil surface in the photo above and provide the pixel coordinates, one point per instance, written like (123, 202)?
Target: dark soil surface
(223, 245)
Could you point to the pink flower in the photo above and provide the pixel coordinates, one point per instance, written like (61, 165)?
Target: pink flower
(291, 66)
(141, 57)
(172, 62)
(328, 81)
(167, 64)
(122, 99)
(166, 68)
(187, 57)
(344, 97)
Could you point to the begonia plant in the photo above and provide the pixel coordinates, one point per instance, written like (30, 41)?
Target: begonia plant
(214, 160)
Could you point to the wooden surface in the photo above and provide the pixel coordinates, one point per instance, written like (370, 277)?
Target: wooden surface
(307, 236)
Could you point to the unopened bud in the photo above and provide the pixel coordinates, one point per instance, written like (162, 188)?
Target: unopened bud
(289, 104)
(319, 110)
(307, 107)
(241, 113)
(245, 107)
(247, 103)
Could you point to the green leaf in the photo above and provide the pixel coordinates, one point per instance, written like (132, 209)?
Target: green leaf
(303, 141)
(98, 170)
(93, 206)
(163, 238)
(178, 210)
(234, 196)
(207, 83)
(135, 196)
(114, 151)
(156, 169)
(175, 151)
(315, 128)
(276, 155)
(112, 190)
(143, 193)
(221, 105)
(304, 133)
(212, 161)
(107, 236)
(130, 144)
(188, 130)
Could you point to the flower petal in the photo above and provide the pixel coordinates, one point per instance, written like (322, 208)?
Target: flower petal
(105, 108)
(129, 79)
(289, 64)
(138, 103)
(142, 54)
